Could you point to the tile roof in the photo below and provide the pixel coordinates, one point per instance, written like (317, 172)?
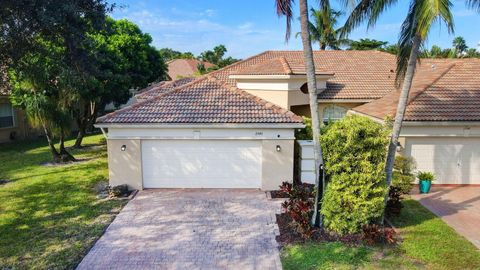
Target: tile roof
(205, 100)
(161, 87)
(178, 68)
(448, 92)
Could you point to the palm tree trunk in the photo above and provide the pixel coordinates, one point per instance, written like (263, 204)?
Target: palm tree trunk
(313, 98)
(402, 104)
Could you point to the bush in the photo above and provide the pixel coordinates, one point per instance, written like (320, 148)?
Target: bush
(426, 176)
(305, 133)
(375, 234)
(299, 206)
(354, 150)
(402, 183)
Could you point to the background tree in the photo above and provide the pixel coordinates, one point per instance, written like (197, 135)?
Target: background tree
(460, 46)
(415, 28)
(367, 44)
(322, 27)
(216, 57)
(168, 54)
(122, 58)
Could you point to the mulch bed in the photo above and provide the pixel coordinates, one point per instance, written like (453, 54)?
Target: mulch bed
(289, 236)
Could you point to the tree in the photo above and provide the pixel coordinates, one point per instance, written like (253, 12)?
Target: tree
(216, 57)
(42, 85)
(436, 52)
(284, 8)
(168, 54)
(460, 46)
(392, 49)
(415, 28)
(21, 22)
(122, 58)
(322, 28)
(367, 44)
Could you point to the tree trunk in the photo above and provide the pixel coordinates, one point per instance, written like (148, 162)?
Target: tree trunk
(402, 104)
(51, 145)
(313, 99)
(84, 120)
(64, 154)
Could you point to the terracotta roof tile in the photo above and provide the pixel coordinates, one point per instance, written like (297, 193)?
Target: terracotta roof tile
(443, 90)
(162, 87)
(205, 100)
(178, 68)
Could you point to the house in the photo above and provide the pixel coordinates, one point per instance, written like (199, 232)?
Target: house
(234, 128)
(180, 68)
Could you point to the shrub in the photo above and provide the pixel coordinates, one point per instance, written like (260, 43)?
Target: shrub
(404, 165)
(375, 234)
(402, 183)
(299, 206)
(354, 150)
(305, 133)
(426, 176)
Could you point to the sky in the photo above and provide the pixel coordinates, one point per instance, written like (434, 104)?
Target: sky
(249, 27)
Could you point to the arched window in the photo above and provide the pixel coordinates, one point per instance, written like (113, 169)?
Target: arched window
(333, 113)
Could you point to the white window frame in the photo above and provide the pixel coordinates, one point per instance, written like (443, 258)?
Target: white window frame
(333, 107)
(13, 117)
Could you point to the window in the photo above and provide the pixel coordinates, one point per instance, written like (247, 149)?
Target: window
(333, 113)
(6, 115)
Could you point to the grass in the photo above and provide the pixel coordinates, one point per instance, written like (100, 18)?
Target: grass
(49, 215)
(427, 243)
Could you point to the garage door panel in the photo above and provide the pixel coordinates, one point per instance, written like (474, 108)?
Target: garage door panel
(201, 164)
(453, 160)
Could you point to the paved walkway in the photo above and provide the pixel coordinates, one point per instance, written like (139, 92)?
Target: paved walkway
(190, 229)
(459, 207)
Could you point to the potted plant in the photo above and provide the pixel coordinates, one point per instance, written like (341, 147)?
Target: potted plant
(425, 181)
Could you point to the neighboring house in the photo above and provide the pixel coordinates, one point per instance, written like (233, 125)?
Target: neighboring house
(234, 128)
(13, 123)
(180, 68)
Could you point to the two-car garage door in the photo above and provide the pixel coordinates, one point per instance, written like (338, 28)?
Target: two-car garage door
(202, 163)
(452, 160)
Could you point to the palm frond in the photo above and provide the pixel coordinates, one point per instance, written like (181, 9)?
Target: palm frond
(474, 4)
(405, 42)
(284, 8)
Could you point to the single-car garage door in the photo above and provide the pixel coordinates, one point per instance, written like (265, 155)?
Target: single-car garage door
(452, 160)
(201, 163)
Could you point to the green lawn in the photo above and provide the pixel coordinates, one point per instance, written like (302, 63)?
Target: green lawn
(428, 243)
(49, 216)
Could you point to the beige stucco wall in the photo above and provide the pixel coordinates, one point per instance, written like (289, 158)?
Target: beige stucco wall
(276, 166)
(125, 167)
(277, 97)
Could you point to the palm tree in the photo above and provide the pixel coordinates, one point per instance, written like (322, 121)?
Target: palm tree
(460, 46)
(415, 28)
(284, 8)
(322, 27)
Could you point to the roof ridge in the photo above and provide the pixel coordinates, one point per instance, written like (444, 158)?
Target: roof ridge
(285, 65)
(421, 91)
(258, 100)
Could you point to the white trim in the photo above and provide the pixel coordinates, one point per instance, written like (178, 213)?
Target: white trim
(347, 100)
(280, 76)
(224, 125)
(192, 138)
(441, 123)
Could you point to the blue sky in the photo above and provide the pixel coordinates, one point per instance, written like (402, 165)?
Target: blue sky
(249, 27)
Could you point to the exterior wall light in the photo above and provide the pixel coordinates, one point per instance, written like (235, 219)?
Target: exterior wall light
(278, 148)
(123, 148)
(399, 147)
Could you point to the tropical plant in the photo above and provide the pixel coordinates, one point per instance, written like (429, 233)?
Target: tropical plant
(460, 46)
(284, 8)
(426, 176)
(323, 28)
(415, 28)
(354, 155)
(216, 57)
(168, 54)
(367, 44)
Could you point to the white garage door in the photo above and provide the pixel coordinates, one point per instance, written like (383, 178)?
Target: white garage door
(201, 164)
(452, 160)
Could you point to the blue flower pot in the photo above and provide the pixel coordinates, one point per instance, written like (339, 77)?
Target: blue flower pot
(424, 186)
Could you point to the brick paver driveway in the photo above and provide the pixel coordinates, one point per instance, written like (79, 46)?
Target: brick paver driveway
(190, 229)
(459, 207)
